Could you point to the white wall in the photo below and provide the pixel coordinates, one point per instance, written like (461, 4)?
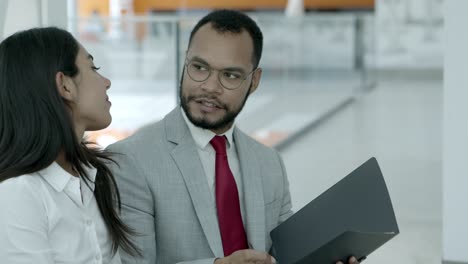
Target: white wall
(3, 7)
(20, 15)
(23, 14)
(54, 13)
(409, 33)
(455, 152)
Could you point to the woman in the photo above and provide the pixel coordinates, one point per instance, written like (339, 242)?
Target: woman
(58, 198)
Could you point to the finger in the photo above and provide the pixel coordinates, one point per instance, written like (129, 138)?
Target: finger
(273, 260)
(257, 256)
(339, 262)
(352, 260)
(270, 259)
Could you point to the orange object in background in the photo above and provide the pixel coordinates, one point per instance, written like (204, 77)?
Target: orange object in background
(339, 4)
(270, 138)
(107, 136)
(143, 6)
(86, 7)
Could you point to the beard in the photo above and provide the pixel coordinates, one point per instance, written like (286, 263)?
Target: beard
(222, 123)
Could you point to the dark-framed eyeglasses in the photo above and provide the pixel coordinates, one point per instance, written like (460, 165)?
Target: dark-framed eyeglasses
(229, 79)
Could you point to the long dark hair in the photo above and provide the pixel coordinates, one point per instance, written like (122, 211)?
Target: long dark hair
(35, 122)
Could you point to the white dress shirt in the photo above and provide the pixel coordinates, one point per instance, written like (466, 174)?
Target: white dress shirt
(51, 217)
(207, 155)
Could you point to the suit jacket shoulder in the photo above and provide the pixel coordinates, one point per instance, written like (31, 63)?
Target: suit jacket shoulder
(264, 153)
(155, 136)
(152, 134)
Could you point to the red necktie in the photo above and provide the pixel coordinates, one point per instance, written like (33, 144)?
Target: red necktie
(227, 202)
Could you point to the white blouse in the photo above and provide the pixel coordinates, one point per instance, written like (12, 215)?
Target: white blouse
(52, 217)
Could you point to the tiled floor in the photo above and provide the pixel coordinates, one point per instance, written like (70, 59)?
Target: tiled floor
(399, 123)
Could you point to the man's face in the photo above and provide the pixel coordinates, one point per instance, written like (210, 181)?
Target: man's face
(208, 104)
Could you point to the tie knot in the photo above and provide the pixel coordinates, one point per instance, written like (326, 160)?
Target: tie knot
(219, 144)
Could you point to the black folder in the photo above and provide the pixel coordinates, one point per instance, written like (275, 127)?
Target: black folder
(354, 217)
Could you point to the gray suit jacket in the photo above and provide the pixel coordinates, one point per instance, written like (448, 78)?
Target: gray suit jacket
(166, 197)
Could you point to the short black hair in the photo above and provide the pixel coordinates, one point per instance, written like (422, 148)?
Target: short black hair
(233, 21)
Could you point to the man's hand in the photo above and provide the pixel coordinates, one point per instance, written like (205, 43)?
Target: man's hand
(351, 260)
(247, 256)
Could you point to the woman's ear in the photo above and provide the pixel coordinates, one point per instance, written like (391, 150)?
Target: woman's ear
(65, 86)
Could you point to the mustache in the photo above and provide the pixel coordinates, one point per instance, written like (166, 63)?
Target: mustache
(207, 98)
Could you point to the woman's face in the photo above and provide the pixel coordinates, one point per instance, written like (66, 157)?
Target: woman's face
(90, 104)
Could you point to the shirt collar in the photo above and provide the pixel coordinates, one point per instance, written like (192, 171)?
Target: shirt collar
(58, 178)
(203, 136)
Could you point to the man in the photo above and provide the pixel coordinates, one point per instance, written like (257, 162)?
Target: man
(195, 187)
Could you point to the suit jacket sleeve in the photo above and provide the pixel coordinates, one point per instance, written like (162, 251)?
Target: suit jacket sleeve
(199, 261)
(286, 207)
(137, 206)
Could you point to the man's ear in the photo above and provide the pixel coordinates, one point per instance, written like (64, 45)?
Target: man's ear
(256, 76)
(64, 86)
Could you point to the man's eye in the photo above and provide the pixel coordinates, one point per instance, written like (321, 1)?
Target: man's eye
(199, 67)
(95, 68)
(231, 75)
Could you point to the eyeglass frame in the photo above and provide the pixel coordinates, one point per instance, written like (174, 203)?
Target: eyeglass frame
(211, 69)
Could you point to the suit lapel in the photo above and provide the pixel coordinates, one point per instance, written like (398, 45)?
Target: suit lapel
(253, 192)
(188, 161)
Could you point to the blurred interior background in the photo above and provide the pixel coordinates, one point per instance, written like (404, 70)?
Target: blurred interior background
(343, 81)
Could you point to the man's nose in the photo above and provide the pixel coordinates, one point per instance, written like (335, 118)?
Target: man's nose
(212, 83)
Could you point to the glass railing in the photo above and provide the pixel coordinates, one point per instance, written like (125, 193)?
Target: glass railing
(311, 65)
